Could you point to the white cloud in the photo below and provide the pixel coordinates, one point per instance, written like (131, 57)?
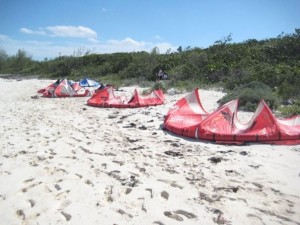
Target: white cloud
(39, 43)
(50, 49)
(93, 40)
(3, 37)
(28, 31)
(64, 31)
(131, 45)
(72, 31)
(126, 42)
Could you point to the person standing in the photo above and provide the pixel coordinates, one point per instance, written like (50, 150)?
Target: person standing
(160, 74)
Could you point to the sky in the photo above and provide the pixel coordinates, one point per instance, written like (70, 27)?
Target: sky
(46, 29)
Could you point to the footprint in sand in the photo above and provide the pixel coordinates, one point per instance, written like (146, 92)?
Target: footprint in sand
(67, 216)
(173, 216)
(57, 187)
(21, 213)
(128, 190)
(158, 222)
(150, 190)
(177, 215)
(31, 186)
(186, 214)
(122, 212)
(255, 219)
(165, 195)
(88, 182)
(220, 219)
(32, 203)
(108, 193)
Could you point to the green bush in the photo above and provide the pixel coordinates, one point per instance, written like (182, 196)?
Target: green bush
(182, 72)
(290, 110)
(237, 77)
(156, 86)
(160, 85)
(249, 96)
(188, 85)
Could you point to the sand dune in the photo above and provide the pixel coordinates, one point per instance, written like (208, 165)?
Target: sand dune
(63, 162)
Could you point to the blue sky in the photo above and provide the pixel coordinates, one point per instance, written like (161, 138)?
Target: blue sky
(47, 29)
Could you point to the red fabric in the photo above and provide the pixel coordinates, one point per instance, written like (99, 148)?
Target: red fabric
(63, 89)
(76, 86)
(51, 87)
(107, 98)
(223, 126)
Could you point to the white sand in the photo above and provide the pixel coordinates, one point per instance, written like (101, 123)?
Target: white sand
(63, 162)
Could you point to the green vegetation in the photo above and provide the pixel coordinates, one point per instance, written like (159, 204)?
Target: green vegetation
(250, 71)
(250, 94)
(291, 110)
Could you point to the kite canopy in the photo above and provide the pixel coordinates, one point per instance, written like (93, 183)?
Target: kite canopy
(107, 98)
(62, 88)
(76, 86)
(50, 88)
(188, 118)
(86, 82)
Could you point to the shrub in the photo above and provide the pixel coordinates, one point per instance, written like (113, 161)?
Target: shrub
(237, 77)
(290, 110)
(157, 85)
(249, 96)
(160, 85)
(182, 72)
(188, 85)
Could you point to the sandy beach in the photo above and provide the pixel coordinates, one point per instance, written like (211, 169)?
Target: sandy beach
(63, 162)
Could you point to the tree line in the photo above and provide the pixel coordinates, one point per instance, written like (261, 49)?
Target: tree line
(271, 64)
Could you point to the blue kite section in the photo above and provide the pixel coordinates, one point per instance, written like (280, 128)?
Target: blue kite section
(88, 83)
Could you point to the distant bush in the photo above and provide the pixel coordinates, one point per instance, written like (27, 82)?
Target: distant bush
(237, 77)
(160, 85)
(181, 72)
(249, 96)
(290, 110)
(190, 85)
(112, 80)
(129, 82)
(156, 86)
